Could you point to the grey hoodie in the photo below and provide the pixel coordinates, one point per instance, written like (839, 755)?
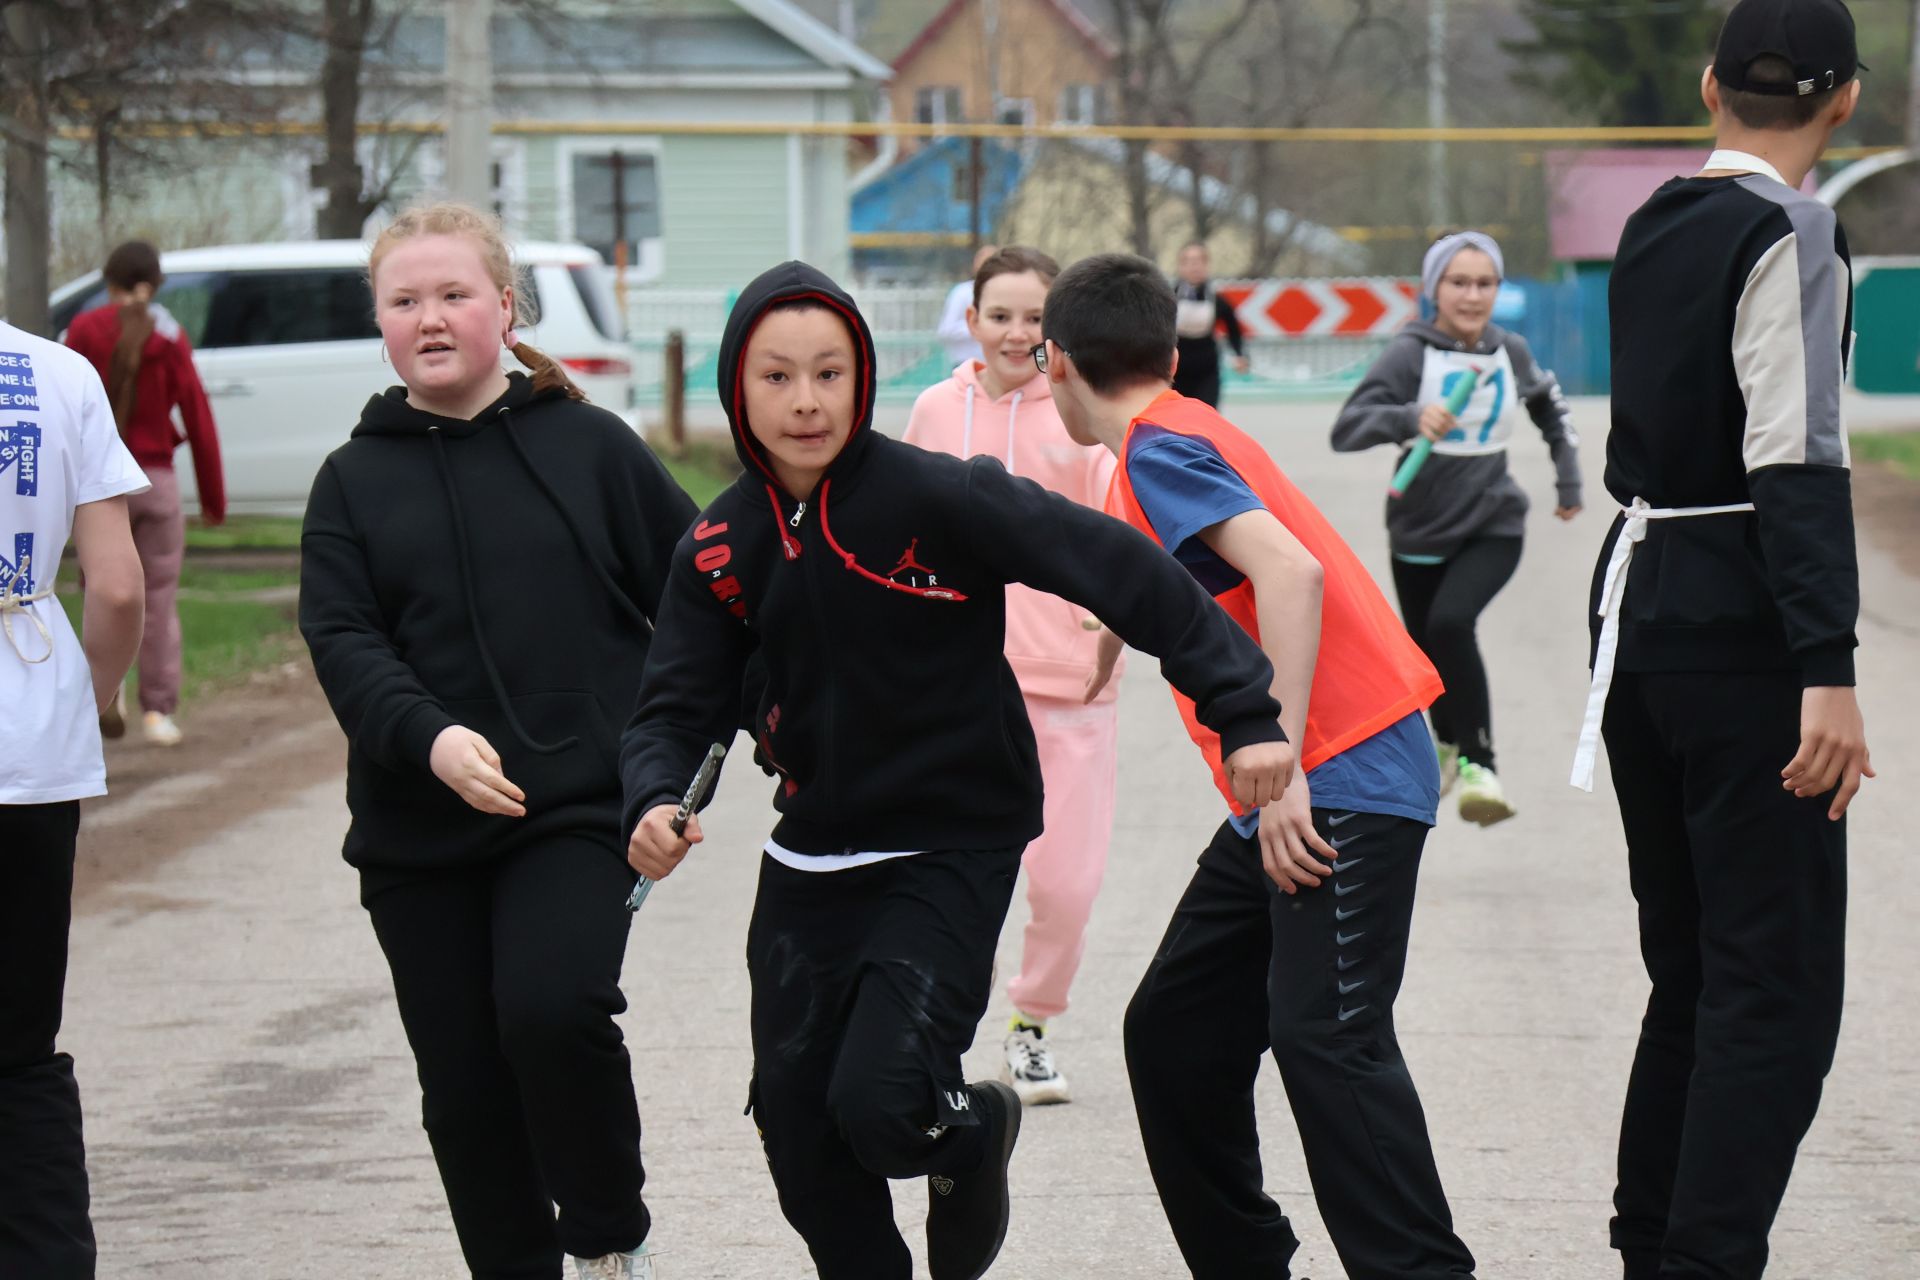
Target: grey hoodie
(1465, 490)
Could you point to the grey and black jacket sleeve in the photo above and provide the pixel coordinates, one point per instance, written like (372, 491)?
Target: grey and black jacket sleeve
(1789, 337)
(1383, 409)
(1122, 577)
(1540, 391)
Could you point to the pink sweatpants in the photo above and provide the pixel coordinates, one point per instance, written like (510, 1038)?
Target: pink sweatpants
(160, 535)
(1079, 748)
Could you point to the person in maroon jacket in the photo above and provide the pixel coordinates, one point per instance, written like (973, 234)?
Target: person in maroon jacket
(145, 361)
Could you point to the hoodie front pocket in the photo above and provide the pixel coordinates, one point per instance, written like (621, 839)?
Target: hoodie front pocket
(577, 761)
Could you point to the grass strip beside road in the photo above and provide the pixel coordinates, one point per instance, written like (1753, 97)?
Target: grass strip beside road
(1899, 450)
(226, 634)
(707, 468)
(241, 619)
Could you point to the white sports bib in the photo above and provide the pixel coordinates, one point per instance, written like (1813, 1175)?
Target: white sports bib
(1486, 424)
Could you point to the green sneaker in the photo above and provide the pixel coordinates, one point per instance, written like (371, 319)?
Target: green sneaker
(1449, 765)
(1481, 799)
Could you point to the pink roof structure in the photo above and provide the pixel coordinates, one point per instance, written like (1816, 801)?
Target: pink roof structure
(1591, 192)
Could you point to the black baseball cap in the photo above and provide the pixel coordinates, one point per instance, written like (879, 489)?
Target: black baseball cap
(1814, 36)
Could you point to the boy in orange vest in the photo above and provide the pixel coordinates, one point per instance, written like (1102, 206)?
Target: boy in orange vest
(1293, 934)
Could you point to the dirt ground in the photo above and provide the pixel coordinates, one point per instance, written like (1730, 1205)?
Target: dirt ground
(248, 747)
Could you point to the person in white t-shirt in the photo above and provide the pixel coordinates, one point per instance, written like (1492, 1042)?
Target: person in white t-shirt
(64, 474)
(955, 335)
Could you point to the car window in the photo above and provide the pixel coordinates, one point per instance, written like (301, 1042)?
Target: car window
(187, 297)
(599, 300)
(529, 297)
(271, 308)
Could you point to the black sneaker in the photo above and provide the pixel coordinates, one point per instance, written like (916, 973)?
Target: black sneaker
(967, 1216)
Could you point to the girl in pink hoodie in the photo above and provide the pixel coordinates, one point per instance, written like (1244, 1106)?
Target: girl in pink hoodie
(1002, 406)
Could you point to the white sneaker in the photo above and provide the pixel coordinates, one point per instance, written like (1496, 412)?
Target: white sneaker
(637, 1265)
(1030, 1068)
(1481, 798)
(1449, 765)
(160, 729)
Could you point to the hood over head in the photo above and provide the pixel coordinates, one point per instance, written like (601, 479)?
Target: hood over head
(788, 282)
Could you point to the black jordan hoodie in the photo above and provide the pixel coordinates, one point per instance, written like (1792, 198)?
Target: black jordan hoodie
(501, 574)
(877, 604)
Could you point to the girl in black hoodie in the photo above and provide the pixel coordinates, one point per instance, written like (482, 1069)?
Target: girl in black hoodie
(868, 576)
(479, 567)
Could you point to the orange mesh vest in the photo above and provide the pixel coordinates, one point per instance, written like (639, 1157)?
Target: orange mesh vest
(1369, 674)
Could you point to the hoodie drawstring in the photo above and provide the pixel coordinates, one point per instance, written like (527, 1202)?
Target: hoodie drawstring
(620, 598)
(966, 430)
(847, 559)
(473, 609)
(12, 602)
(1013, 411)
(787, 542)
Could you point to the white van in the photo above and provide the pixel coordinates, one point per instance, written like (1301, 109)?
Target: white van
(285, 341)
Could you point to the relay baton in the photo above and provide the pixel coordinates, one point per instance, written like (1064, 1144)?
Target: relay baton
(1417, 456)
(696, 792)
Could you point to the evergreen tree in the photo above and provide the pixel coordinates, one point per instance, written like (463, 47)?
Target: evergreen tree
(1620, 62)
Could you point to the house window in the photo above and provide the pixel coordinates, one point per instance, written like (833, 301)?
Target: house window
(616, 200)
(1082, 104)
(1014, 111)
(938, 104)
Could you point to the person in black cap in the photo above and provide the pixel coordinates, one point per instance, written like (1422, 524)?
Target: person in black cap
(1723, 617)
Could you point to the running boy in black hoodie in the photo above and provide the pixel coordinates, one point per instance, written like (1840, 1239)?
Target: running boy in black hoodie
(869, 576)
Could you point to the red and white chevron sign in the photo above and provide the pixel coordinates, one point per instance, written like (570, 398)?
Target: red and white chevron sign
(1365, 307)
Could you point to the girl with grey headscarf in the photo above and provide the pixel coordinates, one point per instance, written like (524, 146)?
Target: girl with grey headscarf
(1456, 532)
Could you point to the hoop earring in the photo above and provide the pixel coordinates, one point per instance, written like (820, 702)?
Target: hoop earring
(384, 358)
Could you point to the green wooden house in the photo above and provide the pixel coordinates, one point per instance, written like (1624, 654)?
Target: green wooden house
(573, 159)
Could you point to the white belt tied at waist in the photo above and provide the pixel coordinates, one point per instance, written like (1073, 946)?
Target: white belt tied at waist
(11, 602)
(1613, 590)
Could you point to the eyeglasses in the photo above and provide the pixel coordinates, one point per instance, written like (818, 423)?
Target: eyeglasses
(1039, 354)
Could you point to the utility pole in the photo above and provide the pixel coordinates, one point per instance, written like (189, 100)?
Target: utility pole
(1437, 214)
(1913, 80)
(470, 102)
(28, 224)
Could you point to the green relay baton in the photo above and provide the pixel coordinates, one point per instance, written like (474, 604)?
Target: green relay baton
(1417, 456)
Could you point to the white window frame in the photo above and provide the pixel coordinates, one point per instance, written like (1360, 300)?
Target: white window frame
(649, 258)
(1021, 108)
(940, 96)
(1080, 104)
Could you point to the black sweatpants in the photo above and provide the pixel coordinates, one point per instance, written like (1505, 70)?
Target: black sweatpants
(44, 1228)
(508, 979)
(1441, 604)
(1742, 891)
(1198, 374)
(1244, 968)
(868, 984)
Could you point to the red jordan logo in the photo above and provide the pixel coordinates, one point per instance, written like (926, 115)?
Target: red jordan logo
(915, 571)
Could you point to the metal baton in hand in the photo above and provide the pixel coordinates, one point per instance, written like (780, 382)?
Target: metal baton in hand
(696, 792)
(1417, 456)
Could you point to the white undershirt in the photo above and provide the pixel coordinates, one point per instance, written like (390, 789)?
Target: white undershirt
(834, 861)
(1728, 160)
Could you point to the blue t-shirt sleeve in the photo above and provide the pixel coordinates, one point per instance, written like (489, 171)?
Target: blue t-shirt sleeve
(1184, 485)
